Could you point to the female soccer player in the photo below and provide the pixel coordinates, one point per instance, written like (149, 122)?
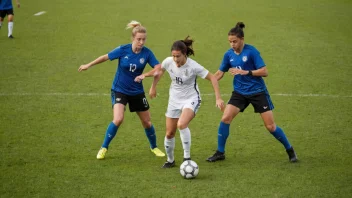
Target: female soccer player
(245, 63)
(7, 9)
(132, 61)
(184, 95)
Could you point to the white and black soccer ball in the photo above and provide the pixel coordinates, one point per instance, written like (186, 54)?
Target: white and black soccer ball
(189, 169)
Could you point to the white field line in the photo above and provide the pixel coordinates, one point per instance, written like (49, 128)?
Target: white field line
(207, 94)
(39, 13)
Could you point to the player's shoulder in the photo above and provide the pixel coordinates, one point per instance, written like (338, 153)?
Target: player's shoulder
(168, 60)
(250, 48)
(192, 62)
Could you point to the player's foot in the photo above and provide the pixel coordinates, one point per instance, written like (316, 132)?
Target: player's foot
(292, 155)
(157, 152)
(185, 159)
(168, 164)
(217, 156)
(101, 153)
(11, 37)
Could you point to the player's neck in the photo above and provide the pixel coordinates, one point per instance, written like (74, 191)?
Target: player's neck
(239, 50)
(135, 49)
(182, 63)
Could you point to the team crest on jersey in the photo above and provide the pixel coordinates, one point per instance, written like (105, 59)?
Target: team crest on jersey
(141, 60)
(186, 72)
(244, 58)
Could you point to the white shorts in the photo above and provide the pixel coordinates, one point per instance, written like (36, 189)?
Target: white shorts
(174, 110)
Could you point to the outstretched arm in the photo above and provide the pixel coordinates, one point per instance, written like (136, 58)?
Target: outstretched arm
(18, 3)
(100, 59)
(214, 82)
(157, 76)
(218, 75)
(152, 72)
(263, 72)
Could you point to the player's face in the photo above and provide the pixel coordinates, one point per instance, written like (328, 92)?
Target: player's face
(179, 58)
(139, 40)
(235, 42)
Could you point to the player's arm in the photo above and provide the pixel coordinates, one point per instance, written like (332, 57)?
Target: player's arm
(214, 81)
(152, 72)
(157, 76)
(18, 3)
(263, 72)
(99, 60)
(218, 75)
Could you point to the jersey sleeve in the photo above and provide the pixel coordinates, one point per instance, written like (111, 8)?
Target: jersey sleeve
(257, 59)
(225, 64)
(201, 71)
(152, 61)
(166, 62)
(115, 53)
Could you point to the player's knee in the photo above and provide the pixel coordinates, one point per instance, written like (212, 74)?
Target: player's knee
(181, 125)
(226, 119)
(117, 121)
(270, 127)
(169, 135)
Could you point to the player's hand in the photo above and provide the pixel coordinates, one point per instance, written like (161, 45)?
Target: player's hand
(139, 78)
(18, 5)
(235, 71)
(83, 67)
(152, 93)
(220, 104)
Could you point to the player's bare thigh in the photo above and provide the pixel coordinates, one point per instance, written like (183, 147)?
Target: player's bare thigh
(171, 127)
(118, 111)
(230, 113)
(186, 116)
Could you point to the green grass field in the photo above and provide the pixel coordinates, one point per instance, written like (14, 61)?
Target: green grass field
(53, 119)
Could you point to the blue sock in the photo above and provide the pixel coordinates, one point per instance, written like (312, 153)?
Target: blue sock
(150, 133)
(280, 135)
(223, 133)
(110, 134)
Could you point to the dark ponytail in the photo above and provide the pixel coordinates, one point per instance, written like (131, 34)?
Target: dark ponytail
(185, 46)
(237, 30)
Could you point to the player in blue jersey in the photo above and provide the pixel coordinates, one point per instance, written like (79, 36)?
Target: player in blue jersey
(7, 9)
(245, 63)
(132, 61)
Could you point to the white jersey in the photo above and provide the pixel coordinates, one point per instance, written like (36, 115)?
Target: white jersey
(184, 79)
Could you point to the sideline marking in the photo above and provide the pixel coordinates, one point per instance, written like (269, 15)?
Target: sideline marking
(39, 13)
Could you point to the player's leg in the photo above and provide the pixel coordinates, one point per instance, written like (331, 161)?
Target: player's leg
(186, 116)
(278, 133)
(236, 104)
(139, 104)
(169, 141)
(2, 16)
(262, 104)
(10, 16)
(119, 102)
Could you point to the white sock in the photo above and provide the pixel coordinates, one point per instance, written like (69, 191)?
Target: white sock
(169, 148)
(185, 135)
(10, 28)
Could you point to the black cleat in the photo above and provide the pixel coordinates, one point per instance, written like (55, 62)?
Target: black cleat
(11, 37)
(185, 159)
(216, 157)
(292, 155)
(168, 164)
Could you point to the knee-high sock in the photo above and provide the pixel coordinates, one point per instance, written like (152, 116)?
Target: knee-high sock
(150, 133)
(185, 135)
(223, 133)
(169, 148)
(10, 28)
(110, 134)
(280, 135)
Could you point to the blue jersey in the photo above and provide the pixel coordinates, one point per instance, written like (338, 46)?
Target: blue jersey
(6, 4)
(248, 59)
(129, 67)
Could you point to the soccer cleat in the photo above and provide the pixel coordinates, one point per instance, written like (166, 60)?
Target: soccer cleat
(292, 155)
(157, 152)
(11, 37)
(168, 164)
(185, 159)
(216, 157)
(101, 153)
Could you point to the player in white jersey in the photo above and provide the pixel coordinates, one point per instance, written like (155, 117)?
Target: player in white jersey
(184, 95)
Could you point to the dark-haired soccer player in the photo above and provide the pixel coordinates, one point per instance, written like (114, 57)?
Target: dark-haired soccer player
(245, 63)
(132, 60)
(7, 9)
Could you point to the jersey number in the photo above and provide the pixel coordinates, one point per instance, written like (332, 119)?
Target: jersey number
(133, 67)
(179, 80)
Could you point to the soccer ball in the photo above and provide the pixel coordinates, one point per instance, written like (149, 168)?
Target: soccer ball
(189, 169)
